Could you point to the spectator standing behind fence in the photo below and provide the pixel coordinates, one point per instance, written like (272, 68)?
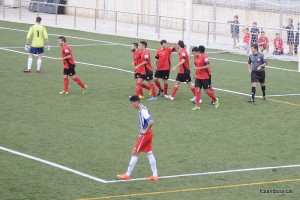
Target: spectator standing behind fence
(296, 41)
(246, 40)
(235, 30)
(254, 33)
(263, 43)
(278, 45)
(290, 36)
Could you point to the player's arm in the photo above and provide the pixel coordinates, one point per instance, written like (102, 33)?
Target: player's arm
(46, 38)
(263, 64)
(178, 64)
(141, 64)
(149, 119)
(28, 38)
(157, 60)
(249, 65)
(68, 55)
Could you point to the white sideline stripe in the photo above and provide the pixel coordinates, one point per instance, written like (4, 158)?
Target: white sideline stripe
(71, 45)
(127, 71)
(53, 164)
(80, 38)
(212, 173)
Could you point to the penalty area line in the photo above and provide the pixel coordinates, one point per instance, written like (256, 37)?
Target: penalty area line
(52, 164)
(212, 173)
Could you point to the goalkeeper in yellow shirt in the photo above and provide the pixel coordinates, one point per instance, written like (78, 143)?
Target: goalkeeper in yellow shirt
(37, 34)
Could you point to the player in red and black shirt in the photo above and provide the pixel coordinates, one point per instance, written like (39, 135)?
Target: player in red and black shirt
(163, 63)
(69, 67)
(146, 65)
(184, 70)
(202, 79)
(139, 73)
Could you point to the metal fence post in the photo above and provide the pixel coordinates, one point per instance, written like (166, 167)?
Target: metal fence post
(208, 25)
(20, 4)
(182, 29)
(75, 14)
(158, 31)
(95, 19)
(116, 22)
(137, 24)
(4, 10)
(56, 8)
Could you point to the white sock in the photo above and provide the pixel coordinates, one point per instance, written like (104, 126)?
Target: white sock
(152, 162)
(39, 64)
(29, 63)
(131, 165)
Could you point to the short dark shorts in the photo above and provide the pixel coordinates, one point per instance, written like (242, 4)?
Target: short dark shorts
(149, 76)
(138, 75)
(202, 83)
(184, 77)
(70, 71)
(163, 74)
(38, 51)
(258, 77)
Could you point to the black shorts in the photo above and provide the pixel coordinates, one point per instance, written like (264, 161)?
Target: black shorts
(184, 77)
(138, 75)
(163, 74)
(149, 76)
(209, 79)
(70, 71)
(258, 77)
(200, 83)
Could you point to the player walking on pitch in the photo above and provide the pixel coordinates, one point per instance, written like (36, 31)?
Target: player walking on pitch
(139, 74)
(163, 63)
(203, 79)
(146, 65)
(38, 35)
(144, 142)
(184, 71)
(69, 67)
(256, 67)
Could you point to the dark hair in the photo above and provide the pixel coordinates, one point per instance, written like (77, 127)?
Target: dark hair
(195, 49)
(181, 43)
(144, 43)
(62, 38)
(135, 44)
(255, 46)
(134, 98)
(163, 42)
(38, 19)
(262, 32)
(201, 49)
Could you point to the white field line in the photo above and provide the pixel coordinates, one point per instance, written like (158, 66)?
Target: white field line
(139, 179)
(52, 164)
(128, 45)
(72, 45)
(212, 173)
(127, 71)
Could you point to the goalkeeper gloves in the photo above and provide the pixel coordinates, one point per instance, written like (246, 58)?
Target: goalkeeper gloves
(48, 47)
(26, 47)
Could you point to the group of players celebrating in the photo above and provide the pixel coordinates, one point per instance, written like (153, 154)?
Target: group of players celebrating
(144, 71)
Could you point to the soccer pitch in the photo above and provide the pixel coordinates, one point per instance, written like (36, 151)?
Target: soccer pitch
(72, 147)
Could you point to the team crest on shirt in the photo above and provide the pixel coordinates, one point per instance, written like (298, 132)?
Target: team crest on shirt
(258, 59)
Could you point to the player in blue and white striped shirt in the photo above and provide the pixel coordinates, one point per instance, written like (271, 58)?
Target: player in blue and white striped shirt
(144, 142)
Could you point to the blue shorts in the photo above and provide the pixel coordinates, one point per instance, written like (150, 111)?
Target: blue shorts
(34, 50)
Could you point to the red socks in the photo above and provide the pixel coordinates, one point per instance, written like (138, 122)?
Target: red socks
(198, 97)
(138, 89)
(79, 82)
(174, 91)
(145, 86)
(166, 89)
(152, 88)
(66, 84)
(157, 83)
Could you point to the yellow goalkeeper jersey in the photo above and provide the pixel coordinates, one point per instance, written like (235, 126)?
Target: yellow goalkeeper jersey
(38, 34)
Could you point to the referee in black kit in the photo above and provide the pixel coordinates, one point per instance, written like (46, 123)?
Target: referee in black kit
(256, 66)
